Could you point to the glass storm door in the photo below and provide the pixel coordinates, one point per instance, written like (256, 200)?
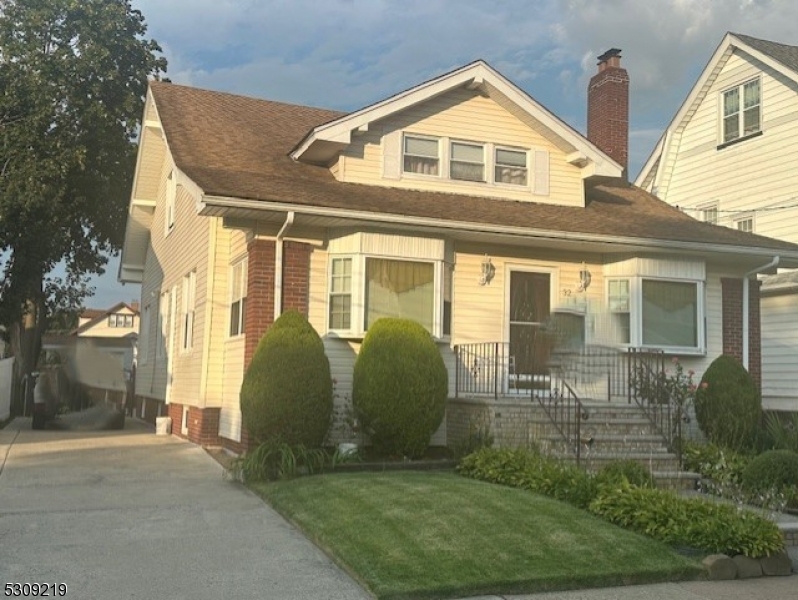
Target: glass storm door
(530, 305)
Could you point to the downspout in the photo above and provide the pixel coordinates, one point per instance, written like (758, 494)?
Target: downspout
(278, 264)
(746, 285)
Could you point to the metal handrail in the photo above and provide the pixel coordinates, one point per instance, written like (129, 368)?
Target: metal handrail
(566, 413)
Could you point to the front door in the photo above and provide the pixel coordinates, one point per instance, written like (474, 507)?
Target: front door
(530, 305)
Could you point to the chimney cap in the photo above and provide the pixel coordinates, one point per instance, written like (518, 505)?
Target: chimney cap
(611, 53)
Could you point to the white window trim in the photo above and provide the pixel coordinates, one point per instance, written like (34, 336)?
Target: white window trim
(162, 334)
(442, 153)
(636, 313)
(188, 311)
(358, 291)
(489, 163)
(171, 203)
(244, 262)
(722, 142)
(745, 217)
(707, 206)
(486, 153)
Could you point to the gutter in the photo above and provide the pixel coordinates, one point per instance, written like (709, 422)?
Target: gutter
(278, 264)
(522, 232)
(746, 301)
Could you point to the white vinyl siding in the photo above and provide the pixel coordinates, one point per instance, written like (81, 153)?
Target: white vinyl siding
(757, 176)
(779, 352)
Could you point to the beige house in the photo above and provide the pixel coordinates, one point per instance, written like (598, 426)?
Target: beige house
(726, 159)
(461, 203)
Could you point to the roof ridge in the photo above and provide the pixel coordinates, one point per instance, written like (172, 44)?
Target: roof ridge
(744, 37)
(157, 83)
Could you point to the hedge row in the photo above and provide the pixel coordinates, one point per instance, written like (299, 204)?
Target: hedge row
(693, 522)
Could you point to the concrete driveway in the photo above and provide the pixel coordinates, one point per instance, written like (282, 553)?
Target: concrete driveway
(128, 514)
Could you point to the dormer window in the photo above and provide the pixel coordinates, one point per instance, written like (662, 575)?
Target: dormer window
(741, 111)
(511, 166)
(421, 155)
(467, 162)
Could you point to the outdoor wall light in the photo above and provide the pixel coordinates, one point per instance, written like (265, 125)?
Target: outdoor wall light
(584, 278)
(488, 271)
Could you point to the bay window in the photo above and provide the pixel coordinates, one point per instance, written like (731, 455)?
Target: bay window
(364, 288)
(658, 313)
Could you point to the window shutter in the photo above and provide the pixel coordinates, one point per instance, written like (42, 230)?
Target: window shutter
(392, 155)
(541, 173)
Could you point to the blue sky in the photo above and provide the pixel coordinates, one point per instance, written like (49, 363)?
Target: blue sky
(345, 54)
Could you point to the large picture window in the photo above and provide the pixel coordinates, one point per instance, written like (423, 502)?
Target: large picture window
(398, 288)
(657, 313)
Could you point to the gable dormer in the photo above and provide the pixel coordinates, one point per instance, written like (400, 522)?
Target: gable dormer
(469, 132)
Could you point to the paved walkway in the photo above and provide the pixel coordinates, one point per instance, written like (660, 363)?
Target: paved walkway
(128, 514)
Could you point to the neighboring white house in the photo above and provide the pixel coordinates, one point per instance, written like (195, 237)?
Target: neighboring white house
(461, 203)
(726, 158)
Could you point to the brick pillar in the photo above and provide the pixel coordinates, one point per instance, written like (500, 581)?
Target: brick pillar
(608, 108)
(732, 291)
(259, 313)
(203, 426)
(296, 276)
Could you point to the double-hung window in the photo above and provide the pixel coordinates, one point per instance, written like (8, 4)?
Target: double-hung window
(421, 155)
(709, 213)
(189, 303)
(238, 297)
(341, 294)
(657, 313)
(511, 166)
(745, 223)
(171, 200)
(467, 162)
(742, 111)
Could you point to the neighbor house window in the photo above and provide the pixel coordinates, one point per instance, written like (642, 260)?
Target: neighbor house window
(421, 155)
(741, 111)
(511, 166)
(709, 213)
(467, 162)
(341, 293)
(189, 303)
(657, 313)
(364, 288)
(238, 297)
(744, 224)
(117, 320)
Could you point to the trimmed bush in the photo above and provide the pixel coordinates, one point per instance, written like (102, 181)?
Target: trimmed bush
(533, 472)
(287, 389)
(630, 471)
(727, 404)
(776, 469)
(399, 387)
(693, 522)
(710, 460)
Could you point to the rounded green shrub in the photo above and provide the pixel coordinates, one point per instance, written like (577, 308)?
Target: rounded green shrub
(774, 469)
(287, 389)
(399, 387)
(727, 404)
(631, 471)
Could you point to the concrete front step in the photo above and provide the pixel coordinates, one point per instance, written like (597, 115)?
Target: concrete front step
(660, 462)
(615, 444)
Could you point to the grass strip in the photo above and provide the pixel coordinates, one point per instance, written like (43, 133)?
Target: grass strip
(434, 535)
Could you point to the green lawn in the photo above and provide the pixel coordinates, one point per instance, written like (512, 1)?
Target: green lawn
(431, 535)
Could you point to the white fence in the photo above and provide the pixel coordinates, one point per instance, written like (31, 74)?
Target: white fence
(6, 383)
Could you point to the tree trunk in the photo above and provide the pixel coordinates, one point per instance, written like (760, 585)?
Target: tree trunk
(26, 344)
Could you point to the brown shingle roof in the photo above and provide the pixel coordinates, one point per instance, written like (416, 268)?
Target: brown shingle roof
(238, 147)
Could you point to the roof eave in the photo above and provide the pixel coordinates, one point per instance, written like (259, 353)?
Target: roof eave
(789, 259)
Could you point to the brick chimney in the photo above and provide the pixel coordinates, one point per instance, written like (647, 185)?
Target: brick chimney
(608, 108)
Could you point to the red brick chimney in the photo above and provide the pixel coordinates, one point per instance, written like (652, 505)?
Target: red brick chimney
(608, 108)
